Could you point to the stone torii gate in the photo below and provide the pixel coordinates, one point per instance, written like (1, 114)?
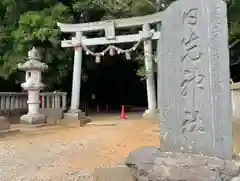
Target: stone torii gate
(81, 43)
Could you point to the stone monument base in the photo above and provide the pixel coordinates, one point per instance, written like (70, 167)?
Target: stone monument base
(78, 115)
(74, 115)
(149, 163)
(33, 119)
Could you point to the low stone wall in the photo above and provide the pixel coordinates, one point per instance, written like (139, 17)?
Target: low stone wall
(52, 115)
(14, 104)
(14, 112)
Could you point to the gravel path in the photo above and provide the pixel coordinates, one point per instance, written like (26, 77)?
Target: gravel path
(72, 153)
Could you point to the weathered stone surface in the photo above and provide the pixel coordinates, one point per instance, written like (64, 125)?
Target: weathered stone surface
(53, 115)
(149, 163)
(194, 91)
(113, 174)
(4, 124)
(236, 179)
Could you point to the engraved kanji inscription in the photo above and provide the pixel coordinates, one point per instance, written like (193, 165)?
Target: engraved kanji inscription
(191, 16)
(192, 122)
(192, 76)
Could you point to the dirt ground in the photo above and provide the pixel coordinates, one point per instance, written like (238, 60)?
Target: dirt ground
(68, 152)
(52, 152)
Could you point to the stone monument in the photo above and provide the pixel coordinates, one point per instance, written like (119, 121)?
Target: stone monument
(194, 98)
(33, 85)
(195, 103)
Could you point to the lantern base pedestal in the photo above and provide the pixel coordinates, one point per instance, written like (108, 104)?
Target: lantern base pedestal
(33, 119)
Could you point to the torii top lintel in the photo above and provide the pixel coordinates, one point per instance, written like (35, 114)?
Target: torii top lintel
(109, 24)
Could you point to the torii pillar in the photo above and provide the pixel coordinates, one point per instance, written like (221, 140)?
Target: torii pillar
(149, 67)
(74, 111)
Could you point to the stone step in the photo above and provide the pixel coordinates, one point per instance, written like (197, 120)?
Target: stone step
(113, 174)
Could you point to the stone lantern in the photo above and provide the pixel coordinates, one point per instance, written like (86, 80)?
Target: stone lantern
(33, 85)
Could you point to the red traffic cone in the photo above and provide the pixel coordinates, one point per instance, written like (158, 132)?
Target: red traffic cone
(106, 107)
(40, 100)
(98, 109)
(123, 116)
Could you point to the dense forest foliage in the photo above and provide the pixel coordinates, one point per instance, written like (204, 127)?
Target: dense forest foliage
(28, 23)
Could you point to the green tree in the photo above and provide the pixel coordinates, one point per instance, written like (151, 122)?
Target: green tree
(33, 23)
